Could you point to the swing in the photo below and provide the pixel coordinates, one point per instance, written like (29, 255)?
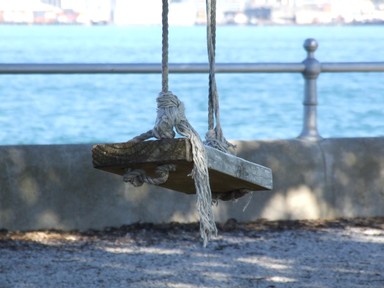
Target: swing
(185, 164)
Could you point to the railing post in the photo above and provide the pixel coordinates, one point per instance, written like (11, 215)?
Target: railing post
(310, 74)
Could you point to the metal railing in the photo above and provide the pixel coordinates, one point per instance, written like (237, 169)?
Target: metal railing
(310, 68)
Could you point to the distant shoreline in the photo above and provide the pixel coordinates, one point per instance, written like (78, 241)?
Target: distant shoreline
(371, 23)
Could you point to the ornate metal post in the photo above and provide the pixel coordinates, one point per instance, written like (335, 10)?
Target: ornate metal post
(310, 74)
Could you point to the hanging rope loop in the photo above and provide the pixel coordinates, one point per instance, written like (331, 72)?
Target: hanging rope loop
(171, 118)
(214, 136)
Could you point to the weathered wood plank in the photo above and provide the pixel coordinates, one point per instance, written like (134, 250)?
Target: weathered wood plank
(228, 174)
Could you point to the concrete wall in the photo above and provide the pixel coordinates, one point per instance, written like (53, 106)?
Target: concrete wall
(56, 186)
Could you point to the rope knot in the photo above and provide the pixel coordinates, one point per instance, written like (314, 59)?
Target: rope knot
(138, 177)
(170, 112)
(212, 139)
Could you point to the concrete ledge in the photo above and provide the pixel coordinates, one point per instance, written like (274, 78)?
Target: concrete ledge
(55, 186)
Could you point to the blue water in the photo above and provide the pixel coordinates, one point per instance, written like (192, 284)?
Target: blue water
(56, 109)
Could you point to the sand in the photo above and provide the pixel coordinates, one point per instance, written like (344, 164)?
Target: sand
(338, 253)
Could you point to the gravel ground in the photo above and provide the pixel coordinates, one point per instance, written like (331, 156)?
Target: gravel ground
(338, 253)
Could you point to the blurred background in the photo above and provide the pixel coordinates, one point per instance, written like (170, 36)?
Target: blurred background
(188, 12)
(62, 109)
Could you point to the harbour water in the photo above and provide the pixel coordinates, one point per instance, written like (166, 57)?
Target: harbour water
(61, 109)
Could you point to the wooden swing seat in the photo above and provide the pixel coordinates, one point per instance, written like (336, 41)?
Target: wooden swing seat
(228, 174)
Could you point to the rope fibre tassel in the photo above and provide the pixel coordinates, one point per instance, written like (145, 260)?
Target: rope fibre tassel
(170, 117)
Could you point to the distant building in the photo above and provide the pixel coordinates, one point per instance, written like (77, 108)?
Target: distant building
(56, 3)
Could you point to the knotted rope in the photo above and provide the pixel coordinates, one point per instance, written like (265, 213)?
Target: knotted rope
(137, 177)
(171, 117)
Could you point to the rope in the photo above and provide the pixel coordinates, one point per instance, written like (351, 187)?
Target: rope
(138, 177)
(214, 136)
(164, 57)
(171, 117)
